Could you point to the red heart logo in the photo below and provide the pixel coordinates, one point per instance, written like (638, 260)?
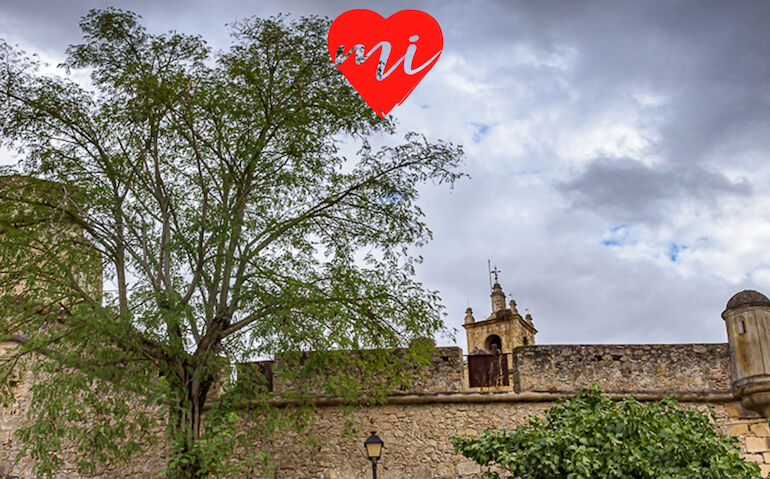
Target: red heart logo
(384, 58)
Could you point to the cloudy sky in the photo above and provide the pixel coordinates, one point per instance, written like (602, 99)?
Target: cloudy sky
(618, 152)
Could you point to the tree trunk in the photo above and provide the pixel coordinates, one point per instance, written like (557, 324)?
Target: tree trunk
(192, 388)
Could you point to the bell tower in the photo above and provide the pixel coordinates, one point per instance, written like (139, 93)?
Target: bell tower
(504, 329)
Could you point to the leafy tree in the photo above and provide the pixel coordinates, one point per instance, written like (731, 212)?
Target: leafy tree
(211, 191)
(592, 436)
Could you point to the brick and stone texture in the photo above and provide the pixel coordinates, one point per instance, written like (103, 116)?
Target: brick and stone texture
(693, 368)
(416, 427)
(13, 415)
(416, 440)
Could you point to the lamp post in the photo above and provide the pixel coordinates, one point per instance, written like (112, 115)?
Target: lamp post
(373, 445)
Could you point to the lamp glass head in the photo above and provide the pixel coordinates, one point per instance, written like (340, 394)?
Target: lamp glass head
(373, 446)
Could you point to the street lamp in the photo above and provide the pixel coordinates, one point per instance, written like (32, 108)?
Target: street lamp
(373, 445)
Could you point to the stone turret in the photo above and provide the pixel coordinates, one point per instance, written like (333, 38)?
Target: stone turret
(747, 318)
(498, 298)
(469, 319)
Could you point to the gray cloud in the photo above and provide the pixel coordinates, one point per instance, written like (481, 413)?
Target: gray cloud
(627, 190)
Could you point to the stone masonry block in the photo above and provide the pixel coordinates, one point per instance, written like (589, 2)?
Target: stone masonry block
(757, 444)
(760, 429)
(738, 430)
(468, 468)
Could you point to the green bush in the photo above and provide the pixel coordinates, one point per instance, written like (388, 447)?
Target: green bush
(593, 436)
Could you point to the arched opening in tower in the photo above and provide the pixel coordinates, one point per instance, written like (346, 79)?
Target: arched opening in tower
(493, 344)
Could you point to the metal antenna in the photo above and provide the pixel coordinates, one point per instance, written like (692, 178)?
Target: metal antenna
(489, 273)
(494, 271)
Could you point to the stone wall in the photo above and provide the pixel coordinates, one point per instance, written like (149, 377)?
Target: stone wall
(416, 425)
(443, 374)
(416, 432)
(416, 440)
(13, 415)
(417, 443)
(692, 368)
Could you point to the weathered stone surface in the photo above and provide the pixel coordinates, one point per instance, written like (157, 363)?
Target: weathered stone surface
(444, 374)
(757, 444)
(761, 430)
(747, 319)
(623, 367)
(446, 471)
(13, 415)
(736, 410)
(468, 469)
(422, 472)
(416, 432)
(738, 430)
(416, 439)
(747, 297)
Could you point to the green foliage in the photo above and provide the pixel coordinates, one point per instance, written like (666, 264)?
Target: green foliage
(592, 436)
(211, 193)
